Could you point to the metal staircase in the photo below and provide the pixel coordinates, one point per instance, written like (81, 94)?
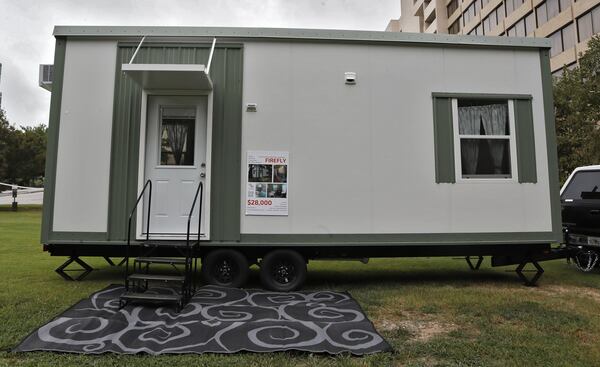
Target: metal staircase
(138, 281)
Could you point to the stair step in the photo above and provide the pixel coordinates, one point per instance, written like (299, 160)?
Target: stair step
(160, 260)
(150, 297)
(155, 277)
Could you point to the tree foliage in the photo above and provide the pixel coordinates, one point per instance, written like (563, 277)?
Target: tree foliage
(577, 103)
(22, 153)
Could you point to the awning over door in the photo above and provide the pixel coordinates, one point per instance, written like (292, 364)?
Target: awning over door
(169, 76)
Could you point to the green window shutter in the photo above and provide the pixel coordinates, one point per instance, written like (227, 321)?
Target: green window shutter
(525, 141)
(444, 140)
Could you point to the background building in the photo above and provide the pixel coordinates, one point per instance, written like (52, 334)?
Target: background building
(568, 23)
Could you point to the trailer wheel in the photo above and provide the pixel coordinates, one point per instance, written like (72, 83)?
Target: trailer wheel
(283, 270)
(225, 267)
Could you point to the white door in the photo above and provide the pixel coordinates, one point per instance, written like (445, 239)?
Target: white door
(175, 162)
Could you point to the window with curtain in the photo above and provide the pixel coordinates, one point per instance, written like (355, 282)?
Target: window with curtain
(177, 133)
(484, 138)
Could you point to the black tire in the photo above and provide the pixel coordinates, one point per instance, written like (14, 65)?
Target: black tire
(283, 271)
(226, 268)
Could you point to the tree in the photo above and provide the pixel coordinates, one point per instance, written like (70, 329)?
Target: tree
(27, 156)
(6, 134)
(577, 108)
(22, 153)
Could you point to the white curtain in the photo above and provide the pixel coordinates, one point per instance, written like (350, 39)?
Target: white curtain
(494, 122)
(494, 118)
(469, 120)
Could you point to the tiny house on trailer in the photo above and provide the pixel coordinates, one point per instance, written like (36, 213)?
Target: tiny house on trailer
(298, 145)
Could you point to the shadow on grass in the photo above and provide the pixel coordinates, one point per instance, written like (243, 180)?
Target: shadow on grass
(384, 278)
(389, 278)
(352, 277)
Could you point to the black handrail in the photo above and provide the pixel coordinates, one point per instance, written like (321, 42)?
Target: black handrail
(146, 185)
(200, 190)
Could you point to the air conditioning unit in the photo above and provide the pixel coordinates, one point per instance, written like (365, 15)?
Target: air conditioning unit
(46, 75)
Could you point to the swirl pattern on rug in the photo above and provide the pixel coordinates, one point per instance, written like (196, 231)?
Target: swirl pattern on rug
(217, 320)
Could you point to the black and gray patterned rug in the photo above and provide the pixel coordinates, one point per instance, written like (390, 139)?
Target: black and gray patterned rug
(217, 320)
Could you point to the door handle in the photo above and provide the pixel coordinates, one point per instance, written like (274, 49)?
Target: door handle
(202, 175)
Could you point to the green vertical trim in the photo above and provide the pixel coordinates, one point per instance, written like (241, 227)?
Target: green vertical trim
(123, 165)
(226, 185)
(443, 140)
(551, 145)
(226, 74)
(525, 139)
(52, 143)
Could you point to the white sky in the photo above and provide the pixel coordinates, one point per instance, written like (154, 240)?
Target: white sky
(26, 31)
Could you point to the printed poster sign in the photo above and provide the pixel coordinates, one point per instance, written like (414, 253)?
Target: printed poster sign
(267, 187)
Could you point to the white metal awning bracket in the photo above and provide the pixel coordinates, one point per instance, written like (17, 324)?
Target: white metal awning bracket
(210, 56)
(137, 49)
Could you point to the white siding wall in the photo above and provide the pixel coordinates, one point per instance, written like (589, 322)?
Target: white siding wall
(362, 156)
(84, 144)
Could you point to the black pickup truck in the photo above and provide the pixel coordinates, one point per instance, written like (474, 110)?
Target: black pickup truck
(580, 198)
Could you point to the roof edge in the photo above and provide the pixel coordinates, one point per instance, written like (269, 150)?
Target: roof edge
(301, 34)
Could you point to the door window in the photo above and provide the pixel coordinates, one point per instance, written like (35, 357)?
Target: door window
(177, 132)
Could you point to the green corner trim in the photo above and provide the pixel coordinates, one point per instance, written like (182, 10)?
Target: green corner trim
(52, 144)
(551, 145)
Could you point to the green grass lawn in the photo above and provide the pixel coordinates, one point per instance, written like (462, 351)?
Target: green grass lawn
(433, 311)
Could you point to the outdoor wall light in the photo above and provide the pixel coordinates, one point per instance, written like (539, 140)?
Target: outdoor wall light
(350, 77)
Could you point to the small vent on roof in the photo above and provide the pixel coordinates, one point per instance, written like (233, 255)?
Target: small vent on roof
(46, 76)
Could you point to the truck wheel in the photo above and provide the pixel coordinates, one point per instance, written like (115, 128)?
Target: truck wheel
(226, 268)
(283, 270)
